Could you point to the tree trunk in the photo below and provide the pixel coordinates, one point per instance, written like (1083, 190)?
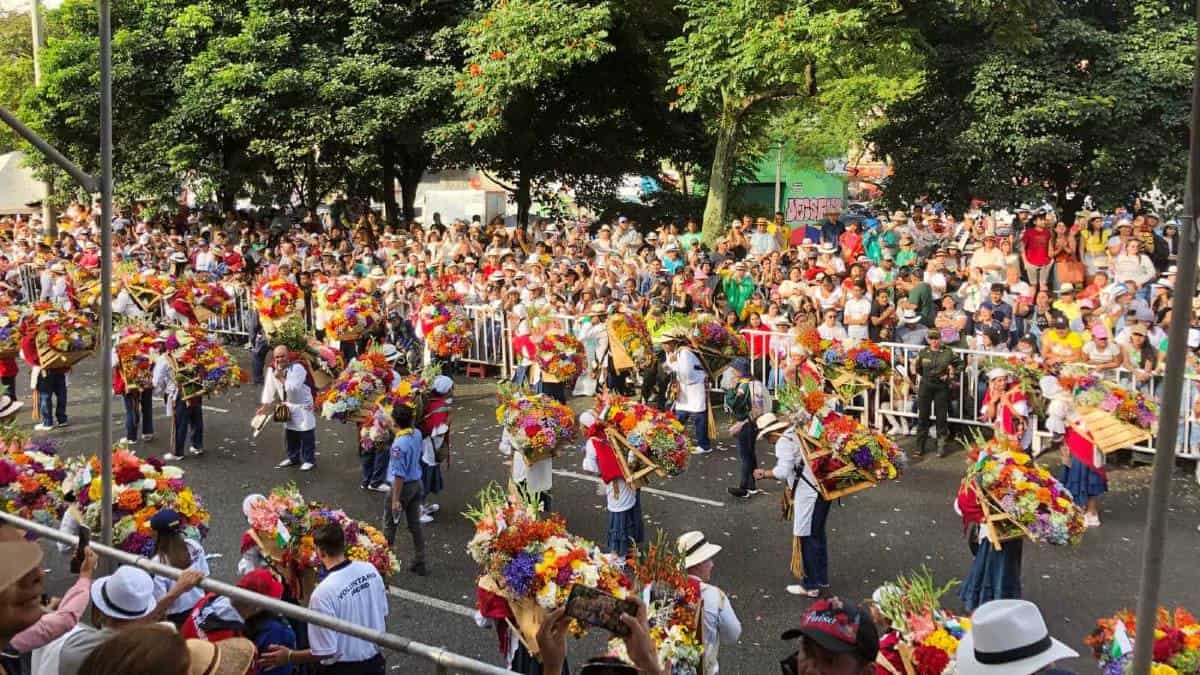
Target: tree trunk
(387, 162)
(720, 178)
(524, 199)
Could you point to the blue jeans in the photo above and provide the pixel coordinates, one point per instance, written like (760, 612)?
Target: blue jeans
(374, 465)
(700, 419)
(139, 412)
(52, 396)
(188, 418)
(302, 446)
(815, 548)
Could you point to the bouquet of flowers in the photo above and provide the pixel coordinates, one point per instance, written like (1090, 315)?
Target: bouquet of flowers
(353, 393)
(275, 300)
(924, 636)
(31, 481)
(332, 294)
(212, 300)
(10, 331)
(533, 563)
(63, 338)
(805, 402)
(1037, 505)
(673, 606)
(714, 342)
(356, 314)
(450, 338)
(656, 437)
(147, 288)
(871, 453)
(141, 488)
(438, 306)
(324, 362)
(409, 391)
(537, 425)
(630, 342)
(203, 367)
(853, 370)
(133, 356)
(86, 286)
(560, 356)
(1130, 407)
(1176, 643)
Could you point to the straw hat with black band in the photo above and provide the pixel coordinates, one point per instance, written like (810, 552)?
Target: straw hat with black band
(696, 549)
(232, 656)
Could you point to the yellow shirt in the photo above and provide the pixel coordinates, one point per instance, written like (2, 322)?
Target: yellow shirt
(1062, 346)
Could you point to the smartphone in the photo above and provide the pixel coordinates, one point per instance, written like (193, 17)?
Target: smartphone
(600, 609)
(85, 538)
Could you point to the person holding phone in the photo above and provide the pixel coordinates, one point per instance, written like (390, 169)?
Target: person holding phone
(552, 645)
(61, 614)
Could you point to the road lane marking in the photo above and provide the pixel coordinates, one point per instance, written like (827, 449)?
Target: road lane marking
(429, 601)
(661, 493)
(209, 407)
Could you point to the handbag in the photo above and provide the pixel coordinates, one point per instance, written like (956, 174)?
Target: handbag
(1070, 272)
(281, 413)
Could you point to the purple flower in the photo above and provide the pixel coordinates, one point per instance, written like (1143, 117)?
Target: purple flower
(563, 576)
(8, 472)
(46, 446)
(862, 458)
(518, 574)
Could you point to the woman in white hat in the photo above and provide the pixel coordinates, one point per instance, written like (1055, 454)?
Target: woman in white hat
(810, 556)
(435, 443)
(1006, 406)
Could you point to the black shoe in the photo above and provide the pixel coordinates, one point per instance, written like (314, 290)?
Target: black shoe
(738, 492)
(419, 569)
(363, 486)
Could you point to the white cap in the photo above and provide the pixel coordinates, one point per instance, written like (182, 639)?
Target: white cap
(442, 384)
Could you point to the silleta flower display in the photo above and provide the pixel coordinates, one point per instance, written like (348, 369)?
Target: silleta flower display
(31, 480)
(628, 333)
(443, 322)
(923, 636)
(357, 388)
(203, 366)
(61, 330)
(657, 435)
(10, 331)
(1176, 643)
(214, 299)
(277, 299)
(1130, 407)
(538, 426)
(134, 358)
(560, 356)
(411, 391)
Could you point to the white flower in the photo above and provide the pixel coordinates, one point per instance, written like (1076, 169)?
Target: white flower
(147, 469)
(170, 471)
(548, 596)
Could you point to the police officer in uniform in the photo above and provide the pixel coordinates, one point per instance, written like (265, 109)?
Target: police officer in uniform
(937, 365)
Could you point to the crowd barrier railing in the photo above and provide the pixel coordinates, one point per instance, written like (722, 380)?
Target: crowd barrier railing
(31, 283)
(236, 324)
(443, 661)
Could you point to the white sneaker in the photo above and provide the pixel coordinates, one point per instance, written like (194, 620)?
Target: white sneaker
(41, 427)
(701, 451)
(307, 466)
(195, 452)
(797, 589)
(382, 487)
(431, 508)
(1091, 521)
(284, 464)
(171, 457)
(146, 438)
(426, 519)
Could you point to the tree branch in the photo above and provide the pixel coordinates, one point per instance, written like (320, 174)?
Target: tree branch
(497, 181)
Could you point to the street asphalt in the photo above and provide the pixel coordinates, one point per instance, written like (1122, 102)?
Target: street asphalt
(875, 535)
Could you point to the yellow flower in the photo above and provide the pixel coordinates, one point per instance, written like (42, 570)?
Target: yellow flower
(405, 388)
(1162, 669)
(965, 623)
(1020, 458)
(94, 490)
(356, 553)
(186, 503)
(943, 641)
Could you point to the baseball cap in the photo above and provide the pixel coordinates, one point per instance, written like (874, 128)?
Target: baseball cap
(839, 627)
(261, 581)
(167, 521)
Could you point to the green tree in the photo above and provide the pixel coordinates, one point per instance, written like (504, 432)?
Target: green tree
(16, 69)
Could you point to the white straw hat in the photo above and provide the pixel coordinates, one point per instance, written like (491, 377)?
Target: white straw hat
(1009, 637)
(695, 549)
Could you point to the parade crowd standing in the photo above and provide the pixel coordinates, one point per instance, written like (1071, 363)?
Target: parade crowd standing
(1094, 291)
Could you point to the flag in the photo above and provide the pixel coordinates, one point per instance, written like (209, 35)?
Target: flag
(282, 536)
(816, 428)
(1121, 646)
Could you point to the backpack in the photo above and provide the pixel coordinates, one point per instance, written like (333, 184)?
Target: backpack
(761, 402)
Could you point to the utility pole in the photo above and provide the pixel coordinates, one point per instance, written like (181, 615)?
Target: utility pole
(778, 177)
(1172, 394)
(106, 216)
(49, 224)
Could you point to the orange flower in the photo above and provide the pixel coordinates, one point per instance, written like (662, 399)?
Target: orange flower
(475, 69)
(130, 500)
(497, 55)
(29, 484)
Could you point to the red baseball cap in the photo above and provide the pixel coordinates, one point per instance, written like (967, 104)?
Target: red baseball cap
(263, 582)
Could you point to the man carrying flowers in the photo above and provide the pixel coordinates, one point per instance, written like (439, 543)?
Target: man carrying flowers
(691, 379)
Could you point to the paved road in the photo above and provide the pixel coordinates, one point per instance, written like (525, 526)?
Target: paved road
(875, 534)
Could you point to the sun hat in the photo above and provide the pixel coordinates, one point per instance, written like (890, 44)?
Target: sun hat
(997, 373)
(263, 582)
(179, 257)
(377, 273)
(909, 316)
(1139, 329)
(827, 248)
(1066, 288)
(769, 423)
(1010, 637)
(20, 558)
(1100, 332)
(695, 549)
(231, 656)
(839, 627)
(390, 353)
(126, 594)
(442, 384)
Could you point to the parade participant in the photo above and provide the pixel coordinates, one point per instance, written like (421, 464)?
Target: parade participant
(8, 375)
(352, 591)
(836, 638)
(435, 444)
(937, 366)
(404, 474)
(995, 574)
(1085, 476)
(810, 553)
(720, 622)
(50, 384)
(624, 504)
(1006, 407)
(691, 379)
(139, 406)
(189, 421)
(536, 478)
(173, 549)
(1009, 637)
(739, 400)
(287, 383)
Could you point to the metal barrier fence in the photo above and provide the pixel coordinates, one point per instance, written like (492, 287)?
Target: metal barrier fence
(236, 324)
(31, 283)
(443, 661)
(490, 342)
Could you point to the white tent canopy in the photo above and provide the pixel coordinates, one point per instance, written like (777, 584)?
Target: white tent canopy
(18, 187)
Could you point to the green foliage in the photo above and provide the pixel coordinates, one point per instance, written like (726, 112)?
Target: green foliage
(16, 68)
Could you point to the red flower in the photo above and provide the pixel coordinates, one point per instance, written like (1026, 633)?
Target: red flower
(1167, 646)
(930, 660)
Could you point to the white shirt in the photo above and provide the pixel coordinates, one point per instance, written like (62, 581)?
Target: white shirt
(720, 623)
(787, 455)
(834, 332)
(538, 478)
(295, 393)
(352, 592)
(618, 493)
(205, 261)
(163, 379)
(693, 395)
(163, 584)
(762, 243)
(857, 309)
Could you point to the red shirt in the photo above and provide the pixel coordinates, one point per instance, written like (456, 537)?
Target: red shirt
(1037, 246)
(8, 368)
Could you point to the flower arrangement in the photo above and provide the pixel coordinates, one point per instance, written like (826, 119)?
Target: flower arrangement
(31, 480)
(450, 338)
(560, 356)
(1037, 505)
(533, 563)
(356, 313)
(203, 366)
(716, 343)
(134, 343)
(150, 283)
(357, 388)
(275, 299)
(656, 435)
(673, 608)
(871, 453)
(409, 391)
(141, 488)
(630, 332)
(924, 636)
(213, 298)
(10, 331)
(324, 361)
(288, 520)
(1176, 642)
(1130, 407)
(852, 370)
(537, 425)
(60, 330)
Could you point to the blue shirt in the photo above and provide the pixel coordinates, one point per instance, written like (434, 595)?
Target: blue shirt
(405, 457)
